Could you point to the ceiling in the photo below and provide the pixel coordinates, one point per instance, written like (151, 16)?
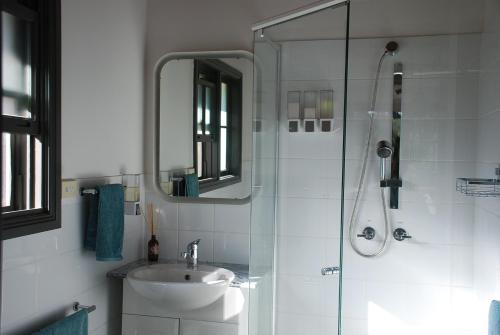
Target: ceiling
(383, 18)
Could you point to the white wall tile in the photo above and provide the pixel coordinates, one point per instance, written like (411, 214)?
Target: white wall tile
(19, 294)
(438, 140)
(293, 324)
(461, 272)
(232, 219)
(231, 248)
(169, 244)
(302, 217)
(168, 214)
(196, 217)
(300, 255)
(50, 269)
(299, 295)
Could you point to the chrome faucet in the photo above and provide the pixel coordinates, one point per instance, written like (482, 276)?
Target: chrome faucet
(191, 255)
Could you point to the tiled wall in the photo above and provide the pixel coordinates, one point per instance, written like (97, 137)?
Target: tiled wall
(487, 227)
(419, 286)
(44, 273)
(223, 229)
(102, 50)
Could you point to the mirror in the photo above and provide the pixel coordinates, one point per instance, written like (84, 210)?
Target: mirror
(204, 126)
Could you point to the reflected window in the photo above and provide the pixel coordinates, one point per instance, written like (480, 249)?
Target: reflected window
(217, 115)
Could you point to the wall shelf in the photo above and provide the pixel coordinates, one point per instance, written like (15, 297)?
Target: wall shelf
(479, 187)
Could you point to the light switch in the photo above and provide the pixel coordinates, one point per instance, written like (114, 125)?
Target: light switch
(69, 188)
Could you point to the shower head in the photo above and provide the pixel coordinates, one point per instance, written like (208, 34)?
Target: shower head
(384, 149)
(391, 48)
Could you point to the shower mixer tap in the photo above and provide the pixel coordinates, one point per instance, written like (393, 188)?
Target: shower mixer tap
(400, 234)
(191, 255)
(368, 233)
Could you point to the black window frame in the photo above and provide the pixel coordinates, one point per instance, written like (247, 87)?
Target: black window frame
(45, 123)
(212, 73)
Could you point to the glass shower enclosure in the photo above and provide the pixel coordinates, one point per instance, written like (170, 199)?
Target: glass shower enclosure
(366, 113)
(298, 159)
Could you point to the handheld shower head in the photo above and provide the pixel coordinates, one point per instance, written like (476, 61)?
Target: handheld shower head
(384, 149)
(391, 48)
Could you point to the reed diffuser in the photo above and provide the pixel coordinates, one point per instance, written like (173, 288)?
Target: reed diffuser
(153, 244)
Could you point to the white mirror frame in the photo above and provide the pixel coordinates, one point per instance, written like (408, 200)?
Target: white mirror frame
(156, 146)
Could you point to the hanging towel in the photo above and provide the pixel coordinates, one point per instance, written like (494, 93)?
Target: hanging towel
(494, 318)
(75, 324)
(104, 232)
(192, 185)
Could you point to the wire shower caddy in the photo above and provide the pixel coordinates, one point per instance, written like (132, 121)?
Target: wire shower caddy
(480, 187)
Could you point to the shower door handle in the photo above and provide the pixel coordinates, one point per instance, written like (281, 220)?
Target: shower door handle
(330, 270)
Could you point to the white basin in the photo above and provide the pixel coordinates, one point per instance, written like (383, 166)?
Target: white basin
(180, 288)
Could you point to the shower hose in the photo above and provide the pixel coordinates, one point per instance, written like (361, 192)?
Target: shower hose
(353, 220)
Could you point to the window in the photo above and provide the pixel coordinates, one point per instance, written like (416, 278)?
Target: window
(217, 124)
(30, 116)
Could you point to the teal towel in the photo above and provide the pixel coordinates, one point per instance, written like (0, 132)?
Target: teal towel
(105, 225)
(92, 217)
(494, 318)
(75, 324)
(192, 185)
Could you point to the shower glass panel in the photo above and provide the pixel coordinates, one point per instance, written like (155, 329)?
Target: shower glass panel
(422, 282)
(264, 181)
(298, 172)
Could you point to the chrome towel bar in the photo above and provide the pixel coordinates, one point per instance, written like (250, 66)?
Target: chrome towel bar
(85, 191)
(77, 307)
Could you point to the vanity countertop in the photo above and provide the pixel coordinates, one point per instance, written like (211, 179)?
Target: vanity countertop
(240, 270)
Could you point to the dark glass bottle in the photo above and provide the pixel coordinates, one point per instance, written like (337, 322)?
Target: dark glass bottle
(153, 249)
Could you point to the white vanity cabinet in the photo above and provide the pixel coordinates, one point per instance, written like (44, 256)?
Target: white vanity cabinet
(146, 325)
(226, 316)
(193, 327)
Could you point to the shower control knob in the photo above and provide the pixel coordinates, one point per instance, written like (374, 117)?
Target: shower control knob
(368, 233)
(400, 234)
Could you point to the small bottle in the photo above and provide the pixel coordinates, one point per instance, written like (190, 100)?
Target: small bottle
(153, 249)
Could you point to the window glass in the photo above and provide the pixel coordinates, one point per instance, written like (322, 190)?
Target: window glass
(22, 172)
(223, 149)
(199, 159)
(6, 170)
(223, 106)
(16, 66)
(199, 112)
(208, 106)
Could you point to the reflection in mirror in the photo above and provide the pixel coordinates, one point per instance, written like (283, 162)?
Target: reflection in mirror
(204, 127)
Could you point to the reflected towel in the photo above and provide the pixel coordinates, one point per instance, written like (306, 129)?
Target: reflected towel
(494, 318)
(192, 185)
(105, 225)
(75, 324)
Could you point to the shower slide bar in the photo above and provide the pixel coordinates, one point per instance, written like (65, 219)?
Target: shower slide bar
(395, 182)
(296, 13)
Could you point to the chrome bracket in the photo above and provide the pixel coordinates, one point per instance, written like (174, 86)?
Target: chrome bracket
(328, 271)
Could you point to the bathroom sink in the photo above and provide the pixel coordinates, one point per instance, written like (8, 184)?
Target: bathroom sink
(179, 287)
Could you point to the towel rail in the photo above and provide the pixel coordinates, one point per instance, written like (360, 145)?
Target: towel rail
(85, 191)
(77, 307)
